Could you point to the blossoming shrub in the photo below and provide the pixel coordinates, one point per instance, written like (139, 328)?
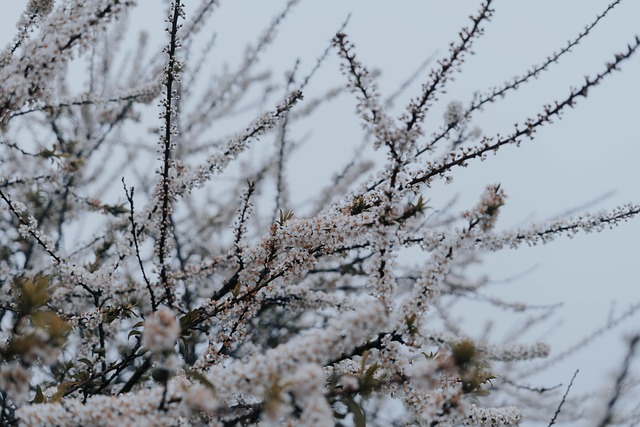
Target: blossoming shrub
(202, 298)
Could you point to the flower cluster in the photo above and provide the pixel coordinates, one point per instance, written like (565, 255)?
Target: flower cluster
(161, 331)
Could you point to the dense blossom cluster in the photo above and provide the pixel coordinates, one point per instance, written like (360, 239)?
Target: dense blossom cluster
(200, 301)
(161, 331)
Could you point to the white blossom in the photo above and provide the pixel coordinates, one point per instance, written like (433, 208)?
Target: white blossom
(14, 380)
(454, 113)
(161, 331)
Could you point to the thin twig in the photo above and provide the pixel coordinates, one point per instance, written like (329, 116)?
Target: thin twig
(134, 234)
(564, 398)
(606, 419)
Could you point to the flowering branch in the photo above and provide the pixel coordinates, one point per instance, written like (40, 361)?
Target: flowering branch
(462, 156)
(166, 196)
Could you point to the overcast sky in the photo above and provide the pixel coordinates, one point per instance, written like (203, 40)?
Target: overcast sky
(592, 151)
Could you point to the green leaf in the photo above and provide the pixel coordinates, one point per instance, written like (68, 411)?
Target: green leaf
(199, 376)
(132, 333)
(358, 416)
(334, 379)
(189, 320)
(115, 210)
(34, 293)
(236, 289)
(49, 321)
(62, 389)
(285, 216)
(87, 362)
(363, 362)
(359, 205)
(39, 398)
(161, 375)
(370, 372)
(368, 381)
(410, 321)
